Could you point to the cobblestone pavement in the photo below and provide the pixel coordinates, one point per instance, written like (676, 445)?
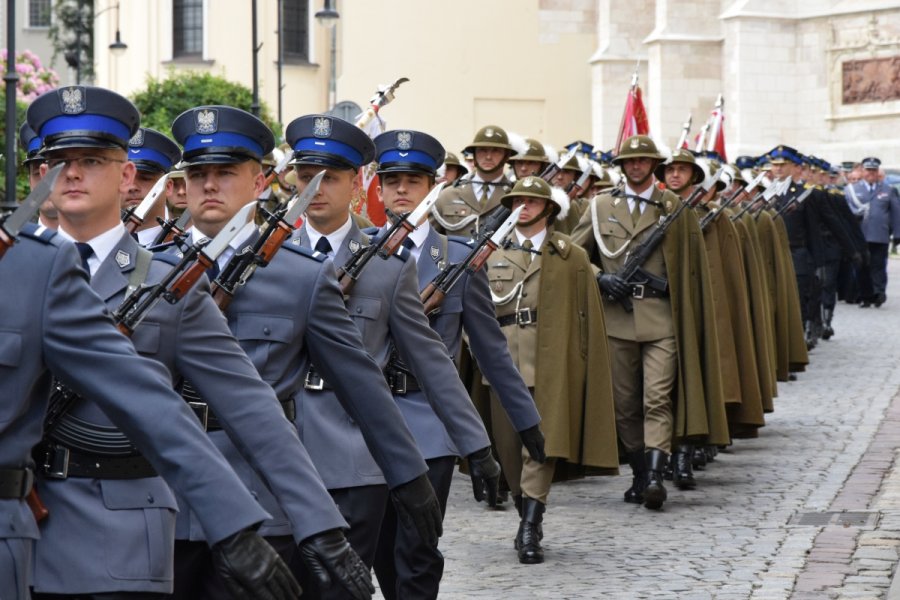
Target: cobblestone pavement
(766, 521)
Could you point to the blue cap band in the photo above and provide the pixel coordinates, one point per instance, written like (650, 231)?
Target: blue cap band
(409, 156)
(34, 145)
(149, 155)
(79, 123)
(329, 146)
(223, 139)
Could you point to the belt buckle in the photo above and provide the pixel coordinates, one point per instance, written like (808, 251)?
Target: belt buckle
(27, 482)
(521, 320)
(313, 381)
(399, 383)
(56, 462)
(201, 410)
(637, 291)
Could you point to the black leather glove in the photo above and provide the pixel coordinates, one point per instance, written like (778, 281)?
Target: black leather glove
(485, 474)
(252, 570)
(418, 507)
(613, 286)
(533, 440)
(329, 556)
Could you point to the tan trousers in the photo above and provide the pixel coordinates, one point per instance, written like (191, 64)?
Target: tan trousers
(643, 377)
(524, 475)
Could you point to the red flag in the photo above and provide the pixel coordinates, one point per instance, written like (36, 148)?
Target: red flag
(368, 203)
(634, 119)
(717, 129)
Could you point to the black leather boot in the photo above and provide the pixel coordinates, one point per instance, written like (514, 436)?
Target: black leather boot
(655, 491)
(635, 494)
(699, 458)
(682, 469)
(827, 330)
(809, 335)
(530, 550)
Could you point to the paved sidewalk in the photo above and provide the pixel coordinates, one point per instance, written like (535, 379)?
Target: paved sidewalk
(810, 509)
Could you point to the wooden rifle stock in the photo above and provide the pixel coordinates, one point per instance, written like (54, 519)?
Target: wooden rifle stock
(38, 509)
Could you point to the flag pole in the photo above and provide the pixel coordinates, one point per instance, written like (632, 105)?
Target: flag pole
(628, 102)
(685, 131)
(717, 123)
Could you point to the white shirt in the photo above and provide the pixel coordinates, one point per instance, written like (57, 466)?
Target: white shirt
(536, 241)
(335, 238)
(418, 236)
(102, 245)
(645, 195)
(146, 236)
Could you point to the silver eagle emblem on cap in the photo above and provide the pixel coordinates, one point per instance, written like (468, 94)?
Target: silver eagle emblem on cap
(137, 140)
(489, 132)
(529, 181)
(404, 140)
(322, 127)
(72, 100)
(206, 121)
(635, 143)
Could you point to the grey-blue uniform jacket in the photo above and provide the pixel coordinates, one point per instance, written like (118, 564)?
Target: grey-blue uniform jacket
(111, 535)
(384, 303)
(54, 321)
(468, 305)
(289, 313)
(882, 219)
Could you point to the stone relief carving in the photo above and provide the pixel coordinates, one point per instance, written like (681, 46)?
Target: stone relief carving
(872, 80)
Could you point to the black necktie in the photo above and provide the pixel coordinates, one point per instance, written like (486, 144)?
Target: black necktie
(323, 246)
(213, 271)
(86, 252)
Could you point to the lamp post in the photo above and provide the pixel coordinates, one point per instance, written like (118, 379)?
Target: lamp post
(254, 107)
(328, 17)
(73, 58)
(11, 78)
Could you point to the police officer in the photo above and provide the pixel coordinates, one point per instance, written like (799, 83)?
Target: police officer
(549, 310)
(289, 314)
(407, 161)
(879, 206)
(460, 208)
(100, 493)
(47, 215)
(384, 303)
(59, 324)
(153, 155)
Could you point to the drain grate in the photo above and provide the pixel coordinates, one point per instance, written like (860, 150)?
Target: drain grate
(847, 519)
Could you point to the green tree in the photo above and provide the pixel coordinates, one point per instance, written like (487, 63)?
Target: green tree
(72, 35)
(164, 99)
(21, 173)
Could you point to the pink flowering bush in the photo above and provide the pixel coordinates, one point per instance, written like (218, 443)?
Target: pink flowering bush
(34, 77)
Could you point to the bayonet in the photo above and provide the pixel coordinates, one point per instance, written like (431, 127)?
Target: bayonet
(134, 217)
(407, 224)
(12, 225)
(551, 170)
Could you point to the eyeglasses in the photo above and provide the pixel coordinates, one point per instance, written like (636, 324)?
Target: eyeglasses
(85, 163)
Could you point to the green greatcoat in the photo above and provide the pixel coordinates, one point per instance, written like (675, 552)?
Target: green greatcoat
(760, 310)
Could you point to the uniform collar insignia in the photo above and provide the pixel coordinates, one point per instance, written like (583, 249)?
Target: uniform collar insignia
(72, 100)
(296, 241)
(616, 203)
(354, 246)
(561, 244)
(435, 252)
(123, 259)
(206, 121)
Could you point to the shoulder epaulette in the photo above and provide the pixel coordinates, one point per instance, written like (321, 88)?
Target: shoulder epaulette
(402, 253)
(166, 257)
(161, 247)
(459, 239)
(294, 246)
(370, 231)
(31, 231)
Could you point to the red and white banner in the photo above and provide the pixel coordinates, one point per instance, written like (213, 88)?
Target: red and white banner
(634, 119)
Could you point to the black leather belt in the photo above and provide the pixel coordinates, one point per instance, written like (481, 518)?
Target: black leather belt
(58, 462)
(15, 483)
(520, 317)
(639, 291)
(402, 383)
(290, 411)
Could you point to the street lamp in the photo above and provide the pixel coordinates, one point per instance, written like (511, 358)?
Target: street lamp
(73, 57)
(328, 17)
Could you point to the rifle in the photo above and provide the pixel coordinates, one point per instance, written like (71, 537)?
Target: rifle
(134, 216)
(713, 214)
(383, 96)
(385, 245)
(633, 269)
(12, 224)
(279, 224)
(795, 200)
(489, 237)
(766, 194)
(551, 170)
(777, 190)
(578, 186)
(172, 228)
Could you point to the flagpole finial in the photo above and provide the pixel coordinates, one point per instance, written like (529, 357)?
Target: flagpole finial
(720, 101)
